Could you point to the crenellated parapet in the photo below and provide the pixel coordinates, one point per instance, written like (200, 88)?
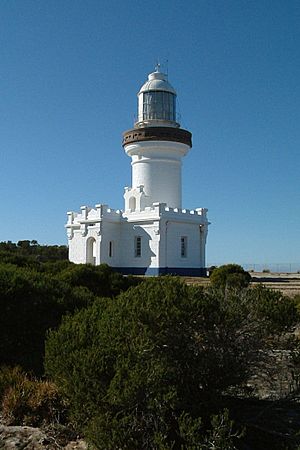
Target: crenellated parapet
(89, 214)
(91, 218)
(198, 211)
(162, 211)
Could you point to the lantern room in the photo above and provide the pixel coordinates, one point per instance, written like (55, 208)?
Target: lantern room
(157, 102)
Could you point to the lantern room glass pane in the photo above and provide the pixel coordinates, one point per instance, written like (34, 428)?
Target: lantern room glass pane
(159, 105)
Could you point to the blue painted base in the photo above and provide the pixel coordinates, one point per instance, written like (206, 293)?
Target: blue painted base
(155, 271)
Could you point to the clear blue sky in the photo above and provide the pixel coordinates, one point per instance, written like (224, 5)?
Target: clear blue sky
(70, 71)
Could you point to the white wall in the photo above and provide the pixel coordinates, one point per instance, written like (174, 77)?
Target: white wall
(110, 232)
(171, 245)
(147, 231)
(77, 248)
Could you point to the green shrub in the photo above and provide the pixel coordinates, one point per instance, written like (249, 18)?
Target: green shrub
(277, 311)
(230, 276)
(101, 280)
(222, 434)
(31, 303)
(133, 367)
(55, 267)
(297, 301)
(32, 300)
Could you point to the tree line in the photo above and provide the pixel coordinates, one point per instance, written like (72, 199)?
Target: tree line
(28, 252)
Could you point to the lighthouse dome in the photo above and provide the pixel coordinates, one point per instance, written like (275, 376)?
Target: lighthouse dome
(157, 81)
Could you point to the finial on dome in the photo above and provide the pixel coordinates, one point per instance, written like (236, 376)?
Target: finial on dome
(157, 66)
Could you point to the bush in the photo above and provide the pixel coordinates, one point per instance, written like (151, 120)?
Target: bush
(230, 276)
(279, 313)
(133, 368)
(101, 280)
(31, 303)
(34, 299)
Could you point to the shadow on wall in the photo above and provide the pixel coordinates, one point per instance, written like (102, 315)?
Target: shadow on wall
(141, 253)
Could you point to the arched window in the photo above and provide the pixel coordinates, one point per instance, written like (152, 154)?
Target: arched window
(91, 251)
(132, 203)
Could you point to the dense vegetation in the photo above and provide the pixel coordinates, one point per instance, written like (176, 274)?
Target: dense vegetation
(151, 364)
(34, 295)
(25, 253)
(149, 369)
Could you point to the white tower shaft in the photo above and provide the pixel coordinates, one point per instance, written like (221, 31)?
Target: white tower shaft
(156, 166)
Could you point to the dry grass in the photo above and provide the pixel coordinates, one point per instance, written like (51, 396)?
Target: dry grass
(25, 400)
(287, 283)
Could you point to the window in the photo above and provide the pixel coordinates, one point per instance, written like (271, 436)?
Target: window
(132, 203)
(110, 249)
(159, 105)
(183, 247)
(137, 246)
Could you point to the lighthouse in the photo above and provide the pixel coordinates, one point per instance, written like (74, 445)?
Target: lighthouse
(157, 144)
(153, 234)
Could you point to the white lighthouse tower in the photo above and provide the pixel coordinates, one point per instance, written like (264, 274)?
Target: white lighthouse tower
(157, 144)
(153, 235)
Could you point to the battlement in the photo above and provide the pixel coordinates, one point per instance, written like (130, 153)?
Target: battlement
(161, 210)
(198, 211)
(90, 215)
